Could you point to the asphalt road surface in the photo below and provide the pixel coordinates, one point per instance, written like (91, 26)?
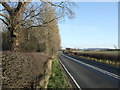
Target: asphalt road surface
(90, 74)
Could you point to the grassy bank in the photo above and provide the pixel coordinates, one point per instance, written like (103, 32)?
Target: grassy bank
(57, 79)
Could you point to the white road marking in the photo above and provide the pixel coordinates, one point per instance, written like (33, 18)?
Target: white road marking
(70, 75)
(96, 68)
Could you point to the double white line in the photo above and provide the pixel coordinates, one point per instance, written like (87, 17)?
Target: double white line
(96, 68)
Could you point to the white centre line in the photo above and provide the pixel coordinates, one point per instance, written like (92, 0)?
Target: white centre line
(70, 75)
(96, 68)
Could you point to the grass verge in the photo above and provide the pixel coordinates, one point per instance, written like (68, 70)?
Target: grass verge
(57, 79)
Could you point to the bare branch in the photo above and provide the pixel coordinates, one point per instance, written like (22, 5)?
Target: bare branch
(2, 10)
(5, 16)
(44, 23)
(32, 26)
(22, 8)
(31, 13)
(6, 6)
(18, 7)
(59, 5)
(4, 21)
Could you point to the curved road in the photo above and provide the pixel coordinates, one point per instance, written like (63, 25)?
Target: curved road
(91, 74)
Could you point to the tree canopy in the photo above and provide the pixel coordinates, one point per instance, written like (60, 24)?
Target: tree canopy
(33, 26)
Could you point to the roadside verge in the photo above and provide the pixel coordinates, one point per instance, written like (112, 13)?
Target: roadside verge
(57, 78)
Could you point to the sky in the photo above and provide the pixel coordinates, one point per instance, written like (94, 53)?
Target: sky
(95, 26)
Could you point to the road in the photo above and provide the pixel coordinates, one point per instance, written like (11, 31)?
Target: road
(90, 74)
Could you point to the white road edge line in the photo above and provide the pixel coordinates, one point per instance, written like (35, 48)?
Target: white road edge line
(70, 75)
(96, 68)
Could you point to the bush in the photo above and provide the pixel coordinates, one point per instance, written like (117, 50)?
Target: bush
(21, 69)
(41, 47)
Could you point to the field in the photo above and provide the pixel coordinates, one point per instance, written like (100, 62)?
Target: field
(108, 57)
(104, 52)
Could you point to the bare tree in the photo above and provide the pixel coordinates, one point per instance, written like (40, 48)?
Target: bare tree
(19, 15)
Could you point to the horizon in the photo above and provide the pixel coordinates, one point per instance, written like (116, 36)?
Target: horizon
(90, 48)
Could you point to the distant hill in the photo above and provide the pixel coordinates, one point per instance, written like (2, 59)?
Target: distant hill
(95, 49)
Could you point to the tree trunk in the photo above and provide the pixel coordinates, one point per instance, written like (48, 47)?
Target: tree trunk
(14, 39)
(15, 29)
(13, 42)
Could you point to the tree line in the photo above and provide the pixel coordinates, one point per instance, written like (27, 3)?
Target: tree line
(32, 26)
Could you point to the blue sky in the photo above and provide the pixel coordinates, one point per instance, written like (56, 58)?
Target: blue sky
(94, 26)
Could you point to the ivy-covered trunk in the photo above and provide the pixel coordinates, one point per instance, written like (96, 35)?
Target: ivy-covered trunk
(14, 31)
(13, 20)
(14, 40)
